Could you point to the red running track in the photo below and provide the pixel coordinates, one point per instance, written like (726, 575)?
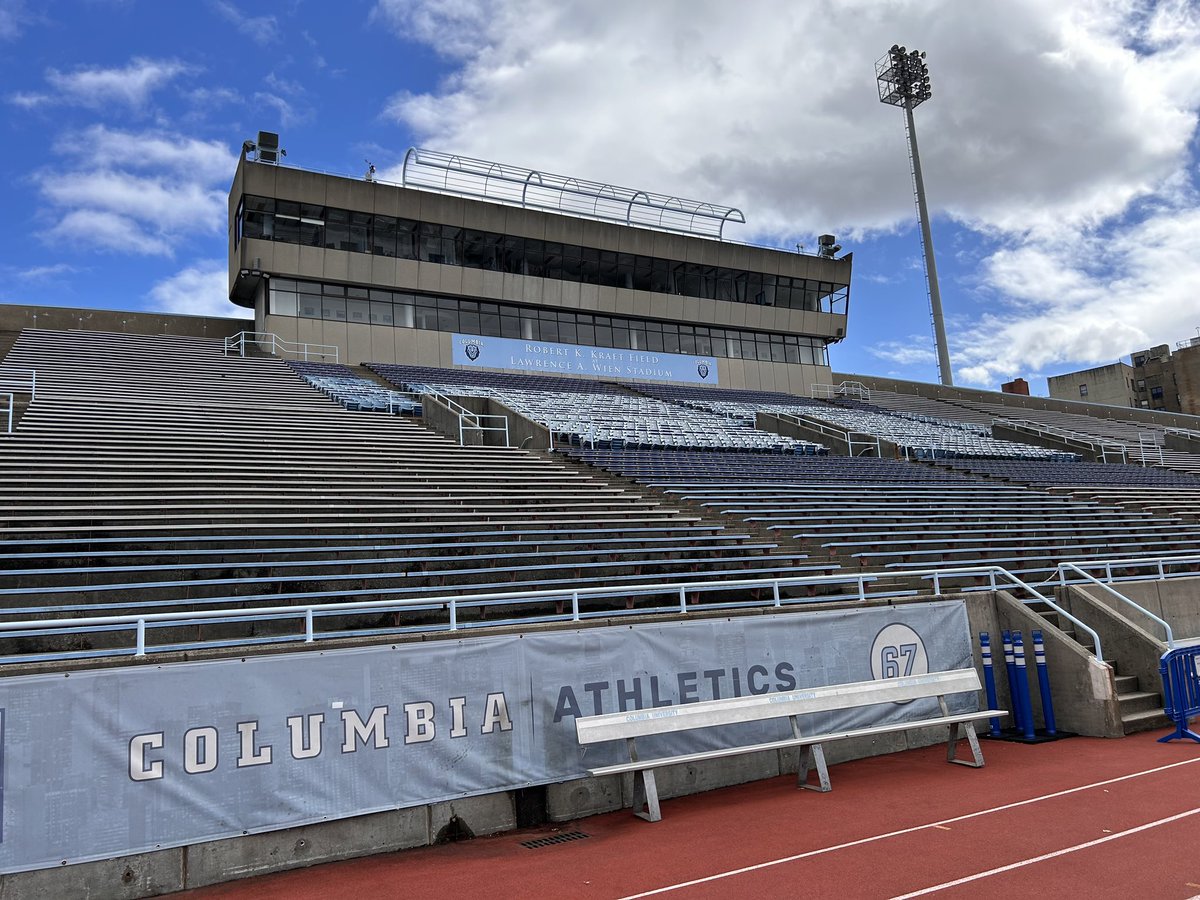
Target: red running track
(1080, 817)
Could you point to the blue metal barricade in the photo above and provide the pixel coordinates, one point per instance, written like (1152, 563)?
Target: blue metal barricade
(1180, 670)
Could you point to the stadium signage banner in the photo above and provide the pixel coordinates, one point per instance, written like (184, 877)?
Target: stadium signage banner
(572, 359)
(116, 761)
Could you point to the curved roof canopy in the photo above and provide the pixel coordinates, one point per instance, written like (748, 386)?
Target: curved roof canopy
(481, 179)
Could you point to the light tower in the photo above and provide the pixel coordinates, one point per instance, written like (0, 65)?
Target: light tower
(904, 82)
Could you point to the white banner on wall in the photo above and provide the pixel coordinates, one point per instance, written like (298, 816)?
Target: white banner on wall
(573, 359)
(110, 762)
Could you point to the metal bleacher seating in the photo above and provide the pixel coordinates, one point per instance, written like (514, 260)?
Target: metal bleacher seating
(920, 436)
(899, 516)
(598, 413)
(353, 391)
(154, 473)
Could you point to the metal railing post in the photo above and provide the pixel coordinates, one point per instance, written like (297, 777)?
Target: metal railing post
(862, 595)
(308, 625)
(937, 584)
(775, 590)
(682, 599)
(453, 614)
(574, 606)
(141, 638)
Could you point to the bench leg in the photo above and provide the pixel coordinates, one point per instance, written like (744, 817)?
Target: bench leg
(818, 759)
(952, 746)
(645, 796)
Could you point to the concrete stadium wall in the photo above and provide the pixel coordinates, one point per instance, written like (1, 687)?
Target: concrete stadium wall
(1085, 703)
(15, 317)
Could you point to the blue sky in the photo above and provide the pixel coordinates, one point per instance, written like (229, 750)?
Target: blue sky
(1059, 146)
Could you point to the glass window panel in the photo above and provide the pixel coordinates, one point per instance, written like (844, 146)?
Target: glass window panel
(620, 338)
(687, 343)
(590, 265)
(424, 317)
(654, 341)
(333, 290)
(608, 269)
(552, 264)
(766, 295)
(791, 353)
(283, 303)
(310, 306)
(660, 276)
(723, 284)
(333, 308)
(359, 292)
(447, 319)
(512, 254)
(381, 312)
(688, 280)
(337, 229)
(468, 322)
(567, 332)
(626, 266)
(452, 245)
(358, 311)
(510, 327)
(670, 342)
(406, 239)
(603, 336)
(477, 249)
(547, 331)
(703, 345)
(383, 236)
(429, 243)
(489, 324)
(535, 257)
(572, 265)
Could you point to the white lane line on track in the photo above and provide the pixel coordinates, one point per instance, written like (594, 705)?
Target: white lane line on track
(1045, 856)
(891, 834)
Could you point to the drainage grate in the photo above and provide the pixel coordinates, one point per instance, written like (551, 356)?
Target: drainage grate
(565, 838)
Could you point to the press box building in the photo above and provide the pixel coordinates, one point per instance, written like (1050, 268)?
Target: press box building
(466, 262)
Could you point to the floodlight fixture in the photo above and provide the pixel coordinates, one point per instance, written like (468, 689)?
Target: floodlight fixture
(903, 77)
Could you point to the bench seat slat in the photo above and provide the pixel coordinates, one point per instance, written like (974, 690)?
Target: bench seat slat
(795, 742)
(617, 726)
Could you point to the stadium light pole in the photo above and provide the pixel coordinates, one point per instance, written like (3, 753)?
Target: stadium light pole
(904, 81)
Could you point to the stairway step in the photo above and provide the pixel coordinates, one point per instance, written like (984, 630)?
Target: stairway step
(1144, 720)
(1139, 701)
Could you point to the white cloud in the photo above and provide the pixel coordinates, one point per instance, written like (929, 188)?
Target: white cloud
(135, 192)
(261, 29)
(101, 230)
(13, 17)
(45, 273)
(201, 289)
(917, 350)
(1060, 133)
(98, 88)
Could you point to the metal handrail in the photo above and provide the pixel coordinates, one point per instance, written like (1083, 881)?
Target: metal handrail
(1099, 447)
(23, 383)
(830, 430)
(12, 404)
(1158, 562)
(1062, 570)
(277, 345)
(451, 603)
(468, 420)
(992, 572)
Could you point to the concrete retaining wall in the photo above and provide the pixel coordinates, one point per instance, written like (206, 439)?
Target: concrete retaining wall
(1083, 690)
(1085, 702)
